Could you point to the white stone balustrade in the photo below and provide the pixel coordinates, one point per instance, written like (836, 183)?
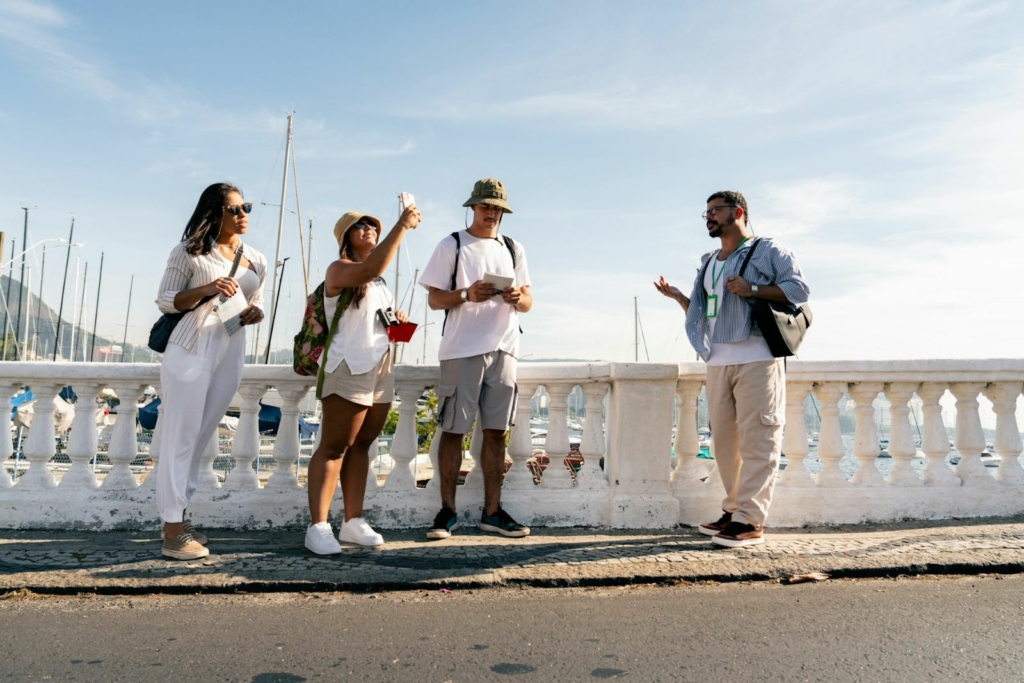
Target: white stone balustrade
(636, 487)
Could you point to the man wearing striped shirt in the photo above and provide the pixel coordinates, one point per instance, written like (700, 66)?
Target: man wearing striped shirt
(746, 385)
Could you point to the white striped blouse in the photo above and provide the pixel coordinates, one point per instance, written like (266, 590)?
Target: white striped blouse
(185, 271)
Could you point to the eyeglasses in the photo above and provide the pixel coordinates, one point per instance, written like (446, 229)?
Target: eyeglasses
(365, 226)
(715, 209)
(235, 208)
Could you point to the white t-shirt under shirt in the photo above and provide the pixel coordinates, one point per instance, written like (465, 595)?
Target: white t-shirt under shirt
(472, 328)
(752, 349)
(360, 340)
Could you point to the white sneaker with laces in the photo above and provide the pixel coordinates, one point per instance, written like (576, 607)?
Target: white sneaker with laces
(357, 532)
(320, 539)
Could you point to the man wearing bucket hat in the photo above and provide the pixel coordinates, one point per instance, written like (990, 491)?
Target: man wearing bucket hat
(479, 346)
(358, 382)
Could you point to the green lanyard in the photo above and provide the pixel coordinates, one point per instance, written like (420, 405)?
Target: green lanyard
(714, 278)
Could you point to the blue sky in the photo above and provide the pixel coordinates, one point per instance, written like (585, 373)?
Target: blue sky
(880, 141)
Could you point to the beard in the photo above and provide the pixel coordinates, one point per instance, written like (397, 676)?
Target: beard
(714, 230)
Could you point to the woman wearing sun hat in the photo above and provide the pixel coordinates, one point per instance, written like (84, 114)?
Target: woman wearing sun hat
(358, 382)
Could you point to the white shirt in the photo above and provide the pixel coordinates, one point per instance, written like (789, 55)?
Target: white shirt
(752, 349)
(360, 340)
(473, 329)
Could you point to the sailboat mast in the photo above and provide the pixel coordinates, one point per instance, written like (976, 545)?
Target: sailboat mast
(96, 313)
(298, 214)
(636, 331)
(280, 220)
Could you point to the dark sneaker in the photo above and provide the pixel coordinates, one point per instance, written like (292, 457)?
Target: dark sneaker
(502, 523)
(738, 535)
(444, 524)
(715, 528)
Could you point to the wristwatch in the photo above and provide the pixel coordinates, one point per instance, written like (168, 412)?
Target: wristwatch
(465, 294)
(753, 291)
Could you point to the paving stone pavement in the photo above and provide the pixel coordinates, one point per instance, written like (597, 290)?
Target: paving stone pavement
(240, 561)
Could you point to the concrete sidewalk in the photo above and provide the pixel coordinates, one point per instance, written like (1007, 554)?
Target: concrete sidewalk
(255, 561)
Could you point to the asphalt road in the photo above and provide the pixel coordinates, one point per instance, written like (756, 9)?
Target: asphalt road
(930, 629)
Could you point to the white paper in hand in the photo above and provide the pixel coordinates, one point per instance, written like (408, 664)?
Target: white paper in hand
(406, 199)
(499, 282)
(230, 311)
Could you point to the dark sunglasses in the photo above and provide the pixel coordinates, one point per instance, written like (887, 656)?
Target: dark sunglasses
(235, 208)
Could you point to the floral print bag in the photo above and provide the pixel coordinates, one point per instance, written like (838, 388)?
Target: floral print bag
(314, 337)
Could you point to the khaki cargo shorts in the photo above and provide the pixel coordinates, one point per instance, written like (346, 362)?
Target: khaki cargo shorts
(488, 382)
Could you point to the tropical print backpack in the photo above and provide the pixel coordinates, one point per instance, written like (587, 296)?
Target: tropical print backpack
(315, 335)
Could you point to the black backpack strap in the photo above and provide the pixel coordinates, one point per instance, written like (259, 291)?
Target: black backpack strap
(455, 272)
(704, 270)
(511, 249)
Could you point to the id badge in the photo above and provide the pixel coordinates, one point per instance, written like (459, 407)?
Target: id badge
(711, 310)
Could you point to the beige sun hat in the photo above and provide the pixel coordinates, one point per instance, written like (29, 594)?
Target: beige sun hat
(489, 191)
(350, 219)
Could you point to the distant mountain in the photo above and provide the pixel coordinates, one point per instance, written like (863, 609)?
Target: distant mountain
(41, 345)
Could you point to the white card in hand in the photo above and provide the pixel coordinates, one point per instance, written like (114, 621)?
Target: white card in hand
(499, 282)
(406, 199)
(230, 311)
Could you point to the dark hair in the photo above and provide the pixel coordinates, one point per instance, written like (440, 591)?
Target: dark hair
(733, 198)
(204, 226)
(349, 254)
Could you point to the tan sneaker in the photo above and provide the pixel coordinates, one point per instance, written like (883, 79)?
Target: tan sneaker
(183, 547)
(197, 535)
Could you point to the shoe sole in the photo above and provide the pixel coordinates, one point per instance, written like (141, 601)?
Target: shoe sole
(707, 531)
(357, 544)
(317, 552)
(437, 534)
(736, 543)
(499, 530)
(185, 555)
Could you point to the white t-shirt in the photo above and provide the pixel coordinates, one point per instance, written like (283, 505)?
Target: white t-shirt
(472, 328)
(360, 340)
(752, 349)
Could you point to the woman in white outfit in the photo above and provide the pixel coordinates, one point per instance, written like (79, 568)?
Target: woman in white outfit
(358, 383)
(202, 365)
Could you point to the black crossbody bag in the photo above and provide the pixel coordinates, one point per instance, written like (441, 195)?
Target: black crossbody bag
(782, 324)
(160, 333)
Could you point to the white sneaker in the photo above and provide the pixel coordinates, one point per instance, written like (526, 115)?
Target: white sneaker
(320, 539)
(357, 532)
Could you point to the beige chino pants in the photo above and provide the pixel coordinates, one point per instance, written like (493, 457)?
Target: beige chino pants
(746, 411)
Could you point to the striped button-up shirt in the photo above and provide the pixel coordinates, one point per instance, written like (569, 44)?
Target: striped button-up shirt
(771, 264)
(185, 271)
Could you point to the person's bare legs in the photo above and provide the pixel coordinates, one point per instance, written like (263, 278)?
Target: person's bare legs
(449, 460)
(342, 420)
(356, 462)
(492, 459)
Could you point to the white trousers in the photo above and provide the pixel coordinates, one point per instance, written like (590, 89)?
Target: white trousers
(196, 392)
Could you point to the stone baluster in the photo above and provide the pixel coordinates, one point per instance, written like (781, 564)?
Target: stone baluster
(207, 476)
(556, 444)
(592, 444)
(403, 447)
(865, 440)
(520, 445)
(82, 441)
(970, 438)
(794, 439)
(934, 438)
(124, 441)
(149, 482)
(39, 446)
(7, 392)
(286, 445)
(686, 444)
(246, 446)
(435, 480)
(372, 487)
(1007, 443)
(830, 439)
(901, 438)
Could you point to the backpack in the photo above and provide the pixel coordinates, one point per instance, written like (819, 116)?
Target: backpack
(782, 324)
(315, 336)
(458, 246)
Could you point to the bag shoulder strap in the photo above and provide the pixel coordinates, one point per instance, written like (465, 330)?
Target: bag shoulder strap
(344, 299)
(509, 244)
(704, 270)
(753, 246)
(455, 271)
(234, 269)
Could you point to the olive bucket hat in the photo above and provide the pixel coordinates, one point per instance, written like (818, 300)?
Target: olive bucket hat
(489, 191)
(350, 219)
